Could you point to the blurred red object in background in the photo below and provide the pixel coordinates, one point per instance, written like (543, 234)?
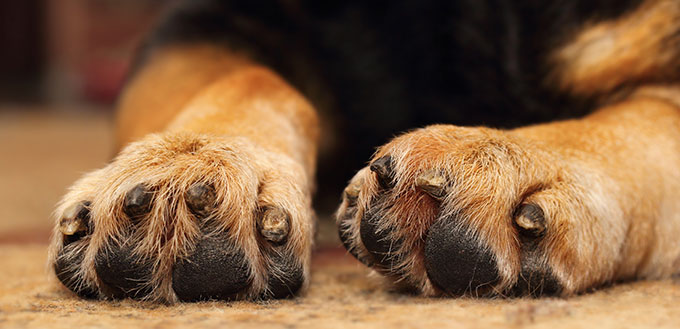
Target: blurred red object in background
(90, 44)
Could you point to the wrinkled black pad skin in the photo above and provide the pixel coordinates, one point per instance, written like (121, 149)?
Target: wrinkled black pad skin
(536, 277)
(455, 261)
(289, 279)
(536, 283)
(344, 233)
(123, 273)
(65, 268)
(214, 270)
(378, 243)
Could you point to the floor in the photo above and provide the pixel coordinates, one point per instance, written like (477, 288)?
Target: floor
(42, 152)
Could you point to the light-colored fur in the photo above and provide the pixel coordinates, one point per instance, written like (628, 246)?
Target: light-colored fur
(639, 47)
(230, 124)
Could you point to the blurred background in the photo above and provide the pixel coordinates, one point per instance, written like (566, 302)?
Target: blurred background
(69, 51)
(62, 63)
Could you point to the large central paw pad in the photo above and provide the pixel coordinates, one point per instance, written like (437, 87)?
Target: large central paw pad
(186, 218)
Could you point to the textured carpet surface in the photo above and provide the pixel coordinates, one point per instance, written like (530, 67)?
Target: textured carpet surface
(340, 296)
(40, 155)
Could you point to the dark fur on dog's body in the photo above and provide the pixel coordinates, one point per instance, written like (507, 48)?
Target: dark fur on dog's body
(376, 69)
(210, 195)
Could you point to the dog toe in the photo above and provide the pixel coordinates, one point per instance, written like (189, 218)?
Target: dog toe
(122, 272)
(216, 269)
(456, 262)
(286, 276)
(66, 267)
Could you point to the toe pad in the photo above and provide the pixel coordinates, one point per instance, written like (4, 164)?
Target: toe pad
(455, 260)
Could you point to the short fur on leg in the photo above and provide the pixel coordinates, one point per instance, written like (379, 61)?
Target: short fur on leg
(246, 139)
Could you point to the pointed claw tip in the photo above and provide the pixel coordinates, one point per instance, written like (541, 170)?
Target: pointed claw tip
(382, 165)
(138, 201)
(530, 219)
(274, 225)
(383, 169)
(433, 183)
(75, 219)
(201, 198)
(71, 226)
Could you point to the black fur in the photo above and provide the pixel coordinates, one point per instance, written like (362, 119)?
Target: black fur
(379, 68)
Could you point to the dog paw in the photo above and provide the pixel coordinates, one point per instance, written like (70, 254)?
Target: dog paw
(449, 210)
(186, 217)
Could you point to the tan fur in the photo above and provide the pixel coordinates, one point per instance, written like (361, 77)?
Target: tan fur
(608, 184)
(162, 88)
(204, 115)
(641, 46)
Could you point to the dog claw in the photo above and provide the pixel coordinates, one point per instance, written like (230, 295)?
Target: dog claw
(530, 219)
(137, 201)
(200, 198)
(71, 226)
(274, 225)
(433, 183)
(75, 219)
(383, 169)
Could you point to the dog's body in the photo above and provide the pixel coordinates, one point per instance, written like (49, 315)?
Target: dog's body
(210, 196)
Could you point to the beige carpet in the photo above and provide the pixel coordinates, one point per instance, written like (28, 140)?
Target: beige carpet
(40, 154)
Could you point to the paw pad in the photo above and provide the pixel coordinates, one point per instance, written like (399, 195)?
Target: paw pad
(456, 262)
(214, 270)
(123, 273)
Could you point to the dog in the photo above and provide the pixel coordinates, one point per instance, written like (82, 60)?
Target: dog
(556, 170)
